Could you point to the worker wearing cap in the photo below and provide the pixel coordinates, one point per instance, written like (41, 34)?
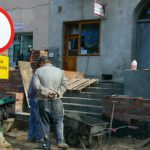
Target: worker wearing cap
(50, 84)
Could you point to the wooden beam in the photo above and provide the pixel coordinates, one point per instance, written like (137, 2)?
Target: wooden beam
(72, 81)
(84, 85)
(77, 83)
(26, 73)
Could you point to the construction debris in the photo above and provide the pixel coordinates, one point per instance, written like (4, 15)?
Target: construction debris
(3, 142)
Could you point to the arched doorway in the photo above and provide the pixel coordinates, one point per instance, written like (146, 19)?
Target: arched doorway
(143, 37)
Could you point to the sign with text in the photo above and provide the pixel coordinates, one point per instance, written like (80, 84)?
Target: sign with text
(19, 27)
(4, 67)
(99, 9)
(6, 30)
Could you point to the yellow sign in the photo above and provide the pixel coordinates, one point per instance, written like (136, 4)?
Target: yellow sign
(4, 67)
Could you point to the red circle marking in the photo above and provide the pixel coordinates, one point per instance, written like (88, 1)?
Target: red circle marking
(4, 12)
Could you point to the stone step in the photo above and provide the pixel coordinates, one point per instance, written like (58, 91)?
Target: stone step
(103, 90)
(82, 101)
(83, 108)
(22, 116)
(95, 115)
(108, 85)
(21, 119)
(86, 94)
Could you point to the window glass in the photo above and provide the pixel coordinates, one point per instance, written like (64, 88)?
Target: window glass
(72, 29)
(87, 35)
(20, 50)
(73, 46)
(89, 43)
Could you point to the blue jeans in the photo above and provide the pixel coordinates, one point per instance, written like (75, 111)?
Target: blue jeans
(51, 112)
(34, 132)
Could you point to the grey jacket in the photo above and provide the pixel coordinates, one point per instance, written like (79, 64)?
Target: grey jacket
(49, 79)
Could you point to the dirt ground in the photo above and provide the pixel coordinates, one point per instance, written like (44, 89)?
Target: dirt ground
(21, 143)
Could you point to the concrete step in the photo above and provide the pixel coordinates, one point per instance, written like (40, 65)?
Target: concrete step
(108, 85)
(93, 95)
(96, 115)
(82, 101)
(103, 90)
(22, 116)
(83, 108)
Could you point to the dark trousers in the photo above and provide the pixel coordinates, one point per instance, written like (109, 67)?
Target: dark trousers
(34, 132)
(51, 111)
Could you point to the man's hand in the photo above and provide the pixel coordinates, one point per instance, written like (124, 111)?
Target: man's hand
(53, 95)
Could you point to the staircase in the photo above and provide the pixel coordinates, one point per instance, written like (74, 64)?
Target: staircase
(89, 100)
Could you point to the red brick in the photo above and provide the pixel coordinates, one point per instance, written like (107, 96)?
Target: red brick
(18, 105)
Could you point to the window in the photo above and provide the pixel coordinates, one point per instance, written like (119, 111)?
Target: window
(145, 13)
(86, 40)
(72, 46)
(20, 50)
(89, 43)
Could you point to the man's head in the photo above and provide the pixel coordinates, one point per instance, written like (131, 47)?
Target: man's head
(43, 60)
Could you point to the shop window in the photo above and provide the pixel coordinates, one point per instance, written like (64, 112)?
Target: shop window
(20, 50)
(89, 43)
(86, 40)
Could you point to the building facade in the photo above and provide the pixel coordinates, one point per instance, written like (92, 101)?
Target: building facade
(81, 41)
(120, 37)
(31, 21)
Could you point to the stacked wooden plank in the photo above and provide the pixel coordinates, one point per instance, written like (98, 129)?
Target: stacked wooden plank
(79, 84)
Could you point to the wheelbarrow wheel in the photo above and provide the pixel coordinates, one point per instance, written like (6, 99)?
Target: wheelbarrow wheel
(71, 137)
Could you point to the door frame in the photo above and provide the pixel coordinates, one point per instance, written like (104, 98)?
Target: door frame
(66, 56)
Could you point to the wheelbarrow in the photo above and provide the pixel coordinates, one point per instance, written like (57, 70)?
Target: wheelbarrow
(4, 101)
(84, 130)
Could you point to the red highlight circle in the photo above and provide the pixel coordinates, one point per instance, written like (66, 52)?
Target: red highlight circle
(8, 45)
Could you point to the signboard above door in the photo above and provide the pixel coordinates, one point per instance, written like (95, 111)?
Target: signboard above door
(99, 9)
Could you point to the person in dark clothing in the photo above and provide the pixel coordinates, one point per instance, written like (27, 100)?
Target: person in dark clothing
(34, 132)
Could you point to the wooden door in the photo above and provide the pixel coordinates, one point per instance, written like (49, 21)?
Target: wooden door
(71, 47)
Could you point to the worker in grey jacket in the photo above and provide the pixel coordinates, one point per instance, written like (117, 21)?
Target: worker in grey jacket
(50, 84)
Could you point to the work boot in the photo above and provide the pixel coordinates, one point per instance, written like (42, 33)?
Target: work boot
(45, 147)
(62, 145)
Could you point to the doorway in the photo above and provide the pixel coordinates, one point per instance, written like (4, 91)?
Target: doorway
(70, 52)
(143, 38)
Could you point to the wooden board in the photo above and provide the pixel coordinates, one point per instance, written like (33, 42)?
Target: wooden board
(26, 73)
(84, 85)
(72, 81)
(77, 83)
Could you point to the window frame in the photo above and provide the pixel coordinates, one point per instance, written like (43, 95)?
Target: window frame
(13, 58)
(79, 34)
